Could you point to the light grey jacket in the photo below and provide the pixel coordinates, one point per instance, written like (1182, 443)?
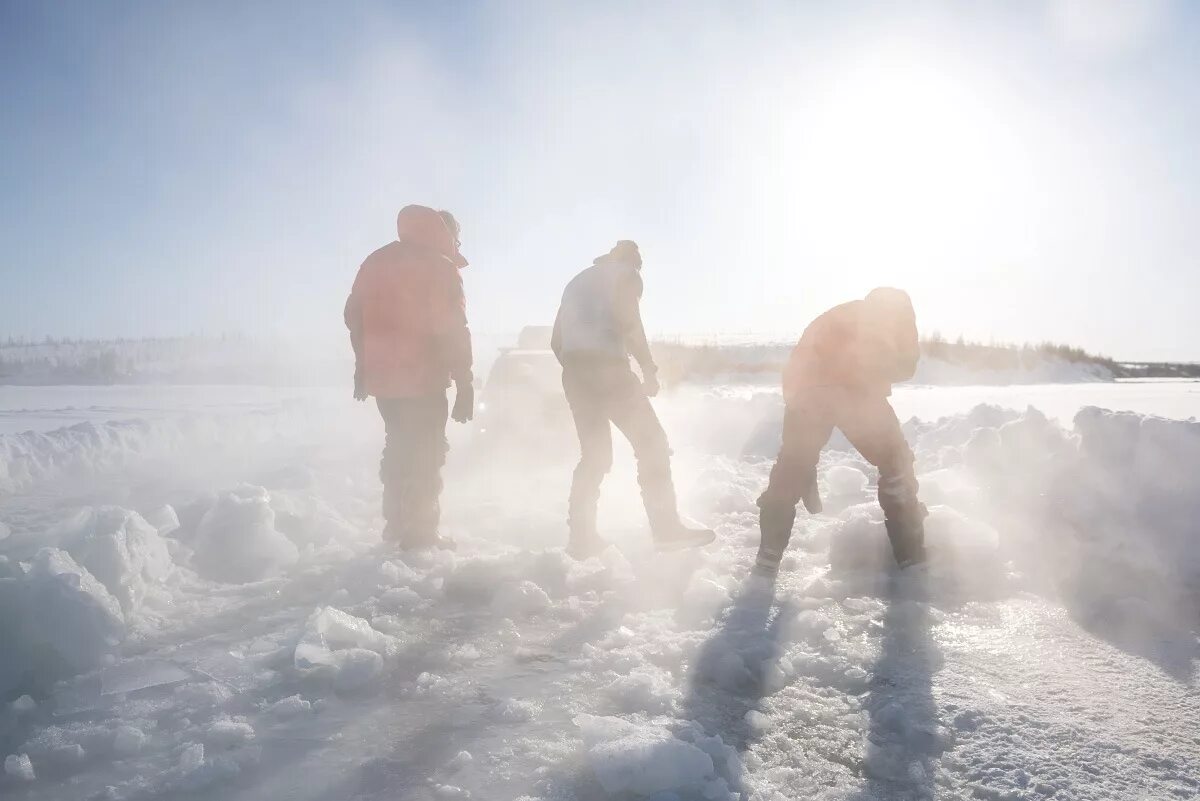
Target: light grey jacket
(600, 316)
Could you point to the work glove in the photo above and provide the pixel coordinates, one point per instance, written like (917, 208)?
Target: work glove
(360, 391)
(464, 402)
(650, 384)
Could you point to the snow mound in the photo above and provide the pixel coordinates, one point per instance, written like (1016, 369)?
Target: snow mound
(237, 542)
(121, 549)
(642, 759)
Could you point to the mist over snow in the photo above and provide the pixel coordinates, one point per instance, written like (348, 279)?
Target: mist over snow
(197, 604)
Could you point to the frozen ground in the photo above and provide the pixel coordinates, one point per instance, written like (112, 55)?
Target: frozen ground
(196, 605)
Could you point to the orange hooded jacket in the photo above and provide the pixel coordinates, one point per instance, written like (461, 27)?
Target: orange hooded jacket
(407, 311)
(864, 345)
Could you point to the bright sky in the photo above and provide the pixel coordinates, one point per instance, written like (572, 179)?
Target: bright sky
(1027, 171)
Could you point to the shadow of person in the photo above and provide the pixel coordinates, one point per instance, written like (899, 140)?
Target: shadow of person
(903, 741)
(732, 670)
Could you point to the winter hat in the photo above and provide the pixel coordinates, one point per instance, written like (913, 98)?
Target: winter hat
(459, 260)
(626, 250)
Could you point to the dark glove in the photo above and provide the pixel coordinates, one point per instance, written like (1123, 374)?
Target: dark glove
(464, 402)
(650, 384)
(360, 392)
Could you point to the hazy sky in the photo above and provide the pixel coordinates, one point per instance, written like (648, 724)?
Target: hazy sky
(1028, 171)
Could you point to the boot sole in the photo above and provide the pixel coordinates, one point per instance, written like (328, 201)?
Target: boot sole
(699, 541)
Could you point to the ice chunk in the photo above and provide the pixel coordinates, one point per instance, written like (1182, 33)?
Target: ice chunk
(164, 518)
(119, 548)
(514, 710)
(227, 732)
(19, 767)
(643, 690)
(191, 758)
(24, 704)
(128, 741)
(356, 668)
(844, 480)
(237, 542)
(521, 599)
(307, 519)
(641, 758)
(757, 722)
(290, 707)
(328, 630)
(58, 618)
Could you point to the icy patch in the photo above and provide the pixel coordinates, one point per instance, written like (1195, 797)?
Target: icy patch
(237, 542)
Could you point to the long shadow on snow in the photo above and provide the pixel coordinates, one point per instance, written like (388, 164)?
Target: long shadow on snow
(728, 674)
(902, 742)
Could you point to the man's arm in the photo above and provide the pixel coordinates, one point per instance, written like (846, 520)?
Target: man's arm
(453, 334)
(629, 319)
(352, 314)
(556, 336)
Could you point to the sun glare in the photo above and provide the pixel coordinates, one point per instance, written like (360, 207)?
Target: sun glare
(897, 165)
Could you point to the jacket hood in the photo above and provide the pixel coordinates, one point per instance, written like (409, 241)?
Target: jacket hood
(626, 252)
(426, 228)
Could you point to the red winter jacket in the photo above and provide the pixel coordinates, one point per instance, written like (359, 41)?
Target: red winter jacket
(866, 345)
(407, 312)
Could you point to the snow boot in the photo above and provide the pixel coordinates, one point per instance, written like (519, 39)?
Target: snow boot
(906, 530)
(582, 548)
(680, 536)
(812, 498)
(438, 542)
(775, 522)
(670, 532)
(410, 541)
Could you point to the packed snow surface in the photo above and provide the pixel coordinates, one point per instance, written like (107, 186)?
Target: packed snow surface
(198, 605)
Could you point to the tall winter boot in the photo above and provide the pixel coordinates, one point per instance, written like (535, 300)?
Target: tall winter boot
(670, 532)
(583, 541)
(775, 521)
(906, 531)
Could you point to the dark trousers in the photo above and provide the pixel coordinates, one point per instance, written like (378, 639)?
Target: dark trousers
(603, 394)
(871, 425)
(414, 453)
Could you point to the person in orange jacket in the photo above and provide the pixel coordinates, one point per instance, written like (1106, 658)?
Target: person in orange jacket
(840, 374)
(408, 327)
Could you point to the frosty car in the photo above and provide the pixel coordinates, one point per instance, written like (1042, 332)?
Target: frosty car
(522, 410)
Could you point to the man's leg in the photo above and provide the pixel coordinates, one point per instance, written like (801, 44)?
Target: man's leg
(595, 460)
(391, 465)
(413, 455)
(872, 427)
(633, 414)
(429, 447)
(806, 429)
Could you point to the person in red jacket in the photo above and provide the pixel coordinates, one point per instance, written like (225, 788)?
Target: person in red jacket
(840, 375)
(408, 327)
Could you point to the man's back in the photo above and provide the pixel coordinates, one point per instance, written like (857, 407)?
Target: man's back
(595, 309)
(863, 345)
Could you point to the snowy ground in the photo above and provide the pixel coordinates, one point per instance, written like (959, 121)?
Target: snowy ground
(196, 605)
